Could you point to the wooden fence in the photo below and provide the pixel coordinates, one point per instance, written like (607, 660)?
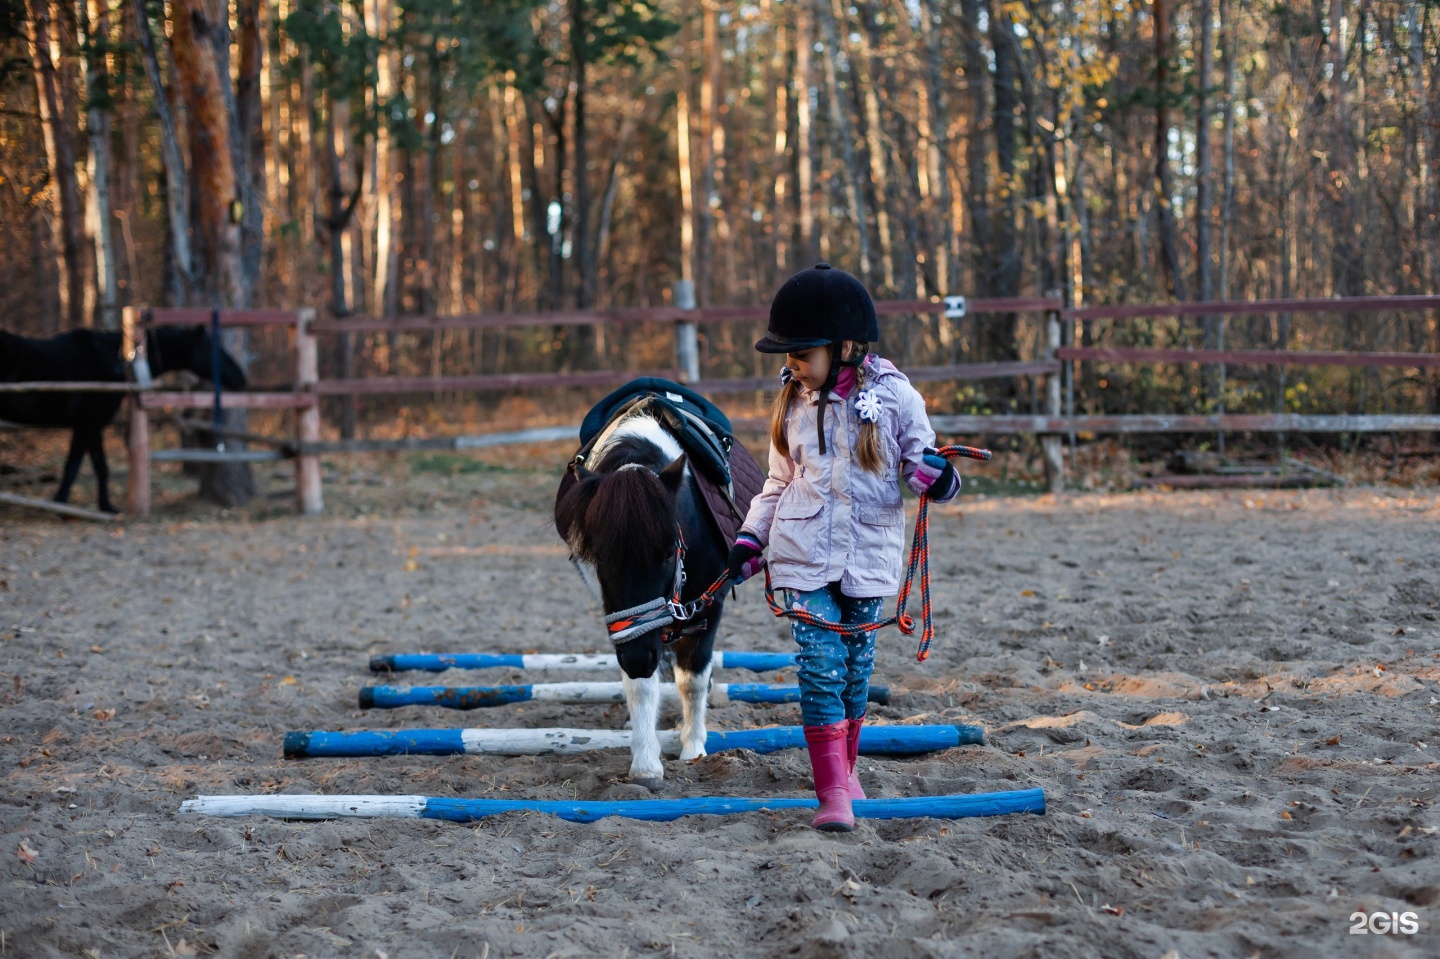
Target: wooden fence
(1056, 363)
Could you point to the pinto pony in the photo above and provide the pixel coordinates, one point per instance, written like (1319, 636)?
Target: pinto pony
(94, 356)
(636, 517)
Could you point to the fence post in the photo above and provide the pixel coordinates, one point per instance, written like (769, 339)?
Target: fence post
(308, 496)
(1051, 442)
(687, 339)
(137, 481)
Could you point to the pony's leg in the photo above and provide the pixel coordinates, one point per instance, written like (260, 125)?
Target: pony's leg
(643, 698)
(694, 689)
(102, 470)
(79, 443)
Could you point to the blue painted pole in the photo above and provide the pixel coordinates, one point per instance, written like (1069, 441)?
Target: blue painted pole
(874, 741)
(649, 810)
(665, 810)
(439, 662)
(478, 697)
(450, 697)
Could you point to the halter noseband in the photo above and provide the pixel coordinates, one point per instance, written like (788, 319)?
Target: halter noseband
(659, 613)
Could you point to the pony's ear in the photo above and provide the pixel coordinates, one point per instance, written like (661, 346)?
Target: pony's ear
(674, 474)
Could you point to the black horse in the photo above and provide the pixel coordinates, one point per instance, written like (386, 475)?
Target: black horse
(94, 356)
(625, 518)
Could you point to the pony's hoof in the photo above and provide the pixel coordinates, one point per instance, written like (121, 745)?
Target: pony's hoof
(652, 783)
(690, 757)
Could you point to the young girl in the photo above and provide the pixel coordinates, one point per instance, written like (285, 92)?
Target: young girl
(846, 428)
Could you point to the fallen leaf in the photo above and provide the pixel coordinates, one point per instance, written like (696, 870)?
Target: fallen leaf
(1286, 815)
(1027, 592)
(289, 681)
(104, 715)
(1113, 910)
(1249, 880)
(26, 854)
(1333, 740)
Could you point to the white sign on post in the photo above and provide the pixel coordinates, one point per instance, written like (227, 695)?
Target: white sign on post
(954, 307)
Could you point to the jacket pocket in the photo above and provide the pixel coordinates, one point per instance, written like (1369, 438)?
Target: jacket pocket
(880, 515)
(799, 507)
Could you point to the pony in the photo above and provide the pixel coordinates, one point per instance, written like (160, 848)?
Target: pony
(634, 516)
(94, 356)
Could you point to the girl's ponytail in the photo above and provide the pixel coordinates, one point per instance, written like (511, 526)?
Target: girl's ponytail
(778, 412)
(867, 448)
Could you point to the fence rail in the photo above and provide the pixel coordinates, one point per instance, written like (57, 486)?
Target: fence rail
(1249, 357)
(1344, 304)
(1055, 363)
(1163, 423)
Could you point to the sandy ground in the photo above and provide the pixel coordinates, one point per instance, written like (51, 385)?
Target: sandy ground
(1229, 698)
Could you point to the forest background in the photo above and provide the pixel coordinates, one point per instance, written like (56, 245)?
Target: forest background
(432, 157)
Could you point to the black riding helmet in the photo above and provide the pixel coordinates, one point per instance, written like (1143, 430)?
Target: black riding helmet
(821, 306)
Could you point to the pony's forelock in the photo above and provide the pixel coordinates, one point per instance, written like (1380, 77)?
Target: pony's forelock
(625, 518)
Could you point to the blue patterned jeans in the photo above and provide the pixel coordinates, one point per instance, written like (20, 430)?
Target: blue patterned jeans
(834, 668)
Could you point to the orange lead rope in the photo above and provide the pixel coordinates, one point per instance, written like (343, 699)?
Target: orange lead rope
(919, 560)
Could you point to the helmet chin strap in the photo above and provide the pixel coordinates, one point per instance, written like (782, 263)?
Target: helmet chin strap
(836, 364)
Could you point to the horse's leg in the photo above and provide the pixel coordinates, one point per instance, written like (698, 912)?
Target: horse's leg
(79, 443)
(643, 697)
(693, 667)
(102, 470)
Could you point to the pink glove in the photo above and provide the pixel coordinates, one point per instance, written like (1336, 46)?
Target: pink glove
(935, 477)
(745, 559)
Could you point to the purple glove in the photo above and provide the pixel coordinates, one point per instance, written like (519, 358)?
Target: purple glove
(745, 560)
(935, 477)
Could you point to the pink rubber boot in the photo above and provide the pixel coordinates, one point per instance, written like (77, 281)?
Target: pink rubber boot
(852, 749)
(829, 763)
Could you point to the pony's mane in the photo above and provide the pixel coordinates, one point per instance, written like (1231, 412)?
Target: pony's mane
(621, 514)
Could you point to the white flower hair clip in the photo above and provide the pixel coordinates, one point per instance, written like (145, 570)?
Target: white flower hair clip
(867, 406)
(786, 375)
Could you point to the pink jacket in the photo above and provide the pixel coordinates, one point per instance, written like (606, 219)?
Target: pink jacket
(825, 518)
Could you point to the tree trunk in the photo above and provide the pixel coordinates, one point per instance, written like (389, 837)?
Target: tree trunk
(976, 156)
(1204, 68)
(181, 262)
(1005, 265)
(804, 165)
(219, 274)
(513, 138)
(939, 159)
(1227, 202)
(854, 193)
(866, 70)
(95, 25)
(249, 130)
(387, 207)
(1165, 188)
(705, 221)
(60, 151)
(776, 69)
(580, 215)
(687, 192)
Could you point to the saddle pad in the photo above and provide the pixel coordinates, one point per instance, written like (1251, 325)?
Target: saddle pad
(747, 478)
